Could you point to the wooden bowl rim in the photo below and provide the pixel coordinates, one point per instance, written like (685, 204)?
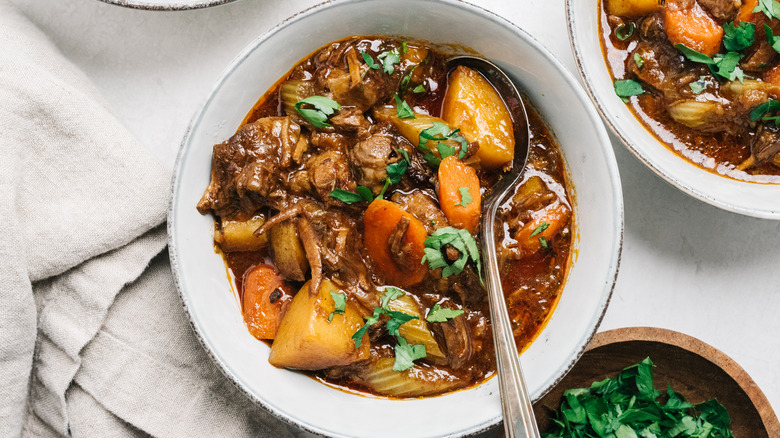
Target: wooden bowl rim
(705, 351)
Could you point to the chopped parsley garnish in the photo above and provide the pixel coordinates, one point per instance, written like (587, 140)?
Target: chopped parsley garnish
(442, 314)
(396, 170)
(391, 293)
(406, 354)
(772, 39)
(727, 66)
(405, 80)
(323, 108)
(724, 66)
(459, 239)
(638, 60)
(627, 88)
(624, 32)
(419, 89)
(767, 107)
(404, 47)
(629, 406)
(389, 58)
(369, 61)
(698, 86)
(340, 302)
(543, 242)
(371, 320)
(402, 108)
(694, 55)
(465, 196)
(738, 37)
(405, 155)
(770, 8)
(363, 194)
(440, 132)
(543, 226)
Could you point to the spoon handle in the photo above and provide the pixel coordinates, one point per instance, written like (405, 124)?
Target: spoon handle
(519, 420)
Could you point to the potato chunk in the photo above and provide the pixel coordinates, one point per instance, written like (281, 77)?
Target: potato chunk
(411, 128)
(306, 340)
(237, 235)
(288, 253)
(632, 8)
(474, 106)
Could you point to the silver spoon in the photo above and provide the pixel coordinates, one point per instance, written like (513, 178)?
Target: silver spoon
(519, 420)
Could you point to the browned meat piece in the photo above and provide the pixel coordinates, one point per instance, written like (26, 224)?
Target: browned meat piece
(422, 206)
(246, 170)
(661, 68)
(652, 27)
(330, 141)
(457, 339)
(350, 120)
(398, 250)
(766, 144)
(760, 57)
(724, 10)
(350, 80)
(370, 158)
(329, 171)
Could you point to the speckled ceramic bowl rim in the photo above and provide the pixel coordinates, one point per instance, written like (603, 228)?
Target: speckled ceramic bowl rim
(162, 5)
(618, 130)
(614, 263)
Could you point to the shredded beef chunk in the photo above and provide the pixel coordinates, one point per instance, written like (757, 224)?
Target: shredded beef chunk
(370, 159)
(329, 171)
(422, 206)
(724, 10)
(245, 170)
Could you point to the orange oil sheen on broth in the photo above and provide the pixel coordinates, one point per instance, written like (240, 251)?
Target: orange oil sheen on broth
(532, 283)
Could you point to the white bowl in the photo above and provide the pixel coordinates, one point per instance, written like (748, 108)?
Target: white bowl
(200, 273)
(748, 198)
(167, 5)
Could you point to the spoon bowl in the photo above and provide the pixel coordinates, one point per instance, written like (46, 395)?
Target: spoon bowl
(519, 420)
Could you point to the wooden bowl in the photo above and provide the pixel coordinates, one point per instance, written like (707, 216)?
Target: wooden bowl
(697, 370)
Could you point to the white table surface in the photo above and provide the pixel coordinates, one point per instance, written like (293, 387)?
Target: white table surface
(686, 266)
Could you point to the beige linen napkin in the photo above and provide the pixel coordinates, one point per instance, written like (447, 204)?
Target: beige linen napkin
(93, 339)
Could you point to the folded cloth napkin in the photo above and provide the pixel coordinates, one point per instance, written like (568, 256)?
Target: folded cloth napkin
(93, 339)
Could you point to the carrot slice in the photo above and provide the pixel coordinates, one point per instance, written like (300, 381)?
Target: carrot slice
(693, 27)
(746, 12)
(459, 195)
(380, 221)
(265, 301)
(543, 227)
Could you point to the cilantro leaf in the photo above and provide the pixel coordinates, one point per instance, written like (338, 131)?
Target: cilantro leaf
(340, 302)
(693, 55)
(406, 354)
(389, 58)
(638, 60)
(627, 88)
(323, 107)
(699, 86)
(397, 319)
(419, 89)
(404, 47)
(369, 61)
(772, 39)
(543, 226)
(624, 32)
(396, 170)
(381, 194)
(371, 320)
(440, 132)
(738, 37)
(459, 239)
(439, 314)
(405, 155)
(726, 66)
(363, 194)
(767, 107)
(406, 80)
(770, 8)
(465, 196)
(543, 242)
(391, 293)
(402, 108)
